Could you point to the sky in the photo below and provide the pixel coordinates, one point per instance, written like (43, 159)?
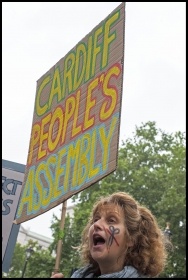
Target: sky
(36, 35)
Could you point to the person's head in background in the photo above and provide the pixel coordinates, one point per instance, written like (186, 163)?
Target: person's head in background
(120, 233)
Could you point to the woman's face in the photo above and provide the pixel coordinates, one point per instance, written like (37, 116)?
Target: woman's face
(107, 241)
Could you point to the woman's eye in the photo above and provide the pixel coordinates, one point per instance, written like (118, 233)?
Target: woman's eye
(95, 220)
(112, 220)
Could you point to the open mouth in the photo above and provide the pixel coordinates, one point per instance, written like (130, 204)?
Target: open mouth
(98, 240)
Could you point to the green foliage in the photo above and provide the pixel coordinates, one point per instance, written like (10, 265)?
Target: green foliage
(16, 266)
(39, 265)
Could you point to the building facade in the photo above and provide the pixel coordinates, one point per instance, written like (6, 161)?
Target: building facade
(24, 235)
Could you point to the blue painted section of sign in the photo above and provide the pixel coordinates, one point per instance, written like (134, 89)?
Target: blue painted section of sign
(9, 244)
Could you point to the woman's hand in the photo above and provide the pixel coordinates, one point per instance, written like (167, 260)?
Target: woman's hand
(57, 275)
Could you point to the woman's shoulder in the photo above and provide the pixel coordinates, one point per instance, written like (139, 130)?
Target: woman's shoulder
(127, 272)
(82, 272)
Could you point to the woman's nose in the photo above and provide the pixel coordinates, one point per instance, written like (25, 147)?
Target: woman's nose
(98, 225)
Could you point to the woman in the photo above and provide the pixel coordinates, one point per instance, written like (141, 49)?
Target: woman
(121, 240)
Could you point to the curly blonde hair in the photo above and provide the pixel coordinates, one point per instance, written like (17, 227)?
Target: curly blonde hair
(148, 251)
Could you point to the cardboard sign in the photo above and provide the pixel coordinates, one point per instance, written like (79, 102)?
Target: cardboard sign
(12, 179)
(75, 130)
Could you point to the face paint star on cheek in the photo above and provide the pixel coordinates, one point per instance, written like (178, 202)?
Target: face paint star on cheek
(112, 231)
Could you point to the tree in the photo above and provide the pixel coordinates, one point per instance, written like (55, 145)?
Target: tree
(16, 267)
(40, 264)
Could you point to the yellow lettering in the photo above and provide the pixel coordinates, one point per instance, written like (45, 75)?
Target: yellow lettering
(47, 191)
(33, 141)
(68, 75)
(56, 117)
(39, 109)
(88, 66)
(27, 194)
(89, 121)
(105, 141)
(93, 171)
(60, 169)
(108, 39)
(39, 187)
(69, 110)
(76, 129)
(107, 107)
(79, 63)
(96, 49)
(83, 164)
(56, 88)
(72, 157)
(43, 136)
